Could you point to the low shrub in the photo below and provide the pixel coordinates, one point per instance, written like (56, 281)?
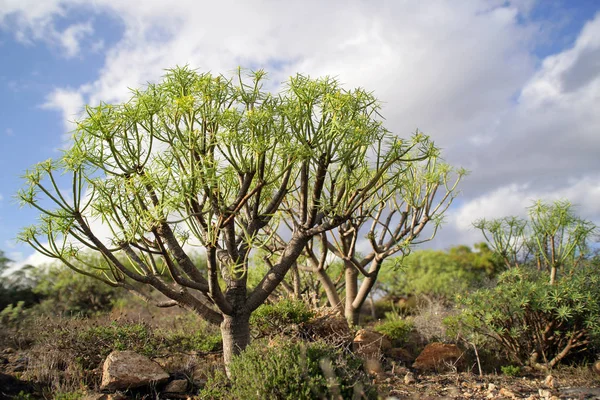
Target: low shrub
(511, 370)
(282, 317)
(536, 323)
(395, 328)
(289, 369)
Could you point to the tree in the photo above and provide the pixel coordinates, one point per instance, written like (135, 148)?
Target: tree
(389, 224)
(441, 274)
(538, 316)
(554, 237)
(219, 163)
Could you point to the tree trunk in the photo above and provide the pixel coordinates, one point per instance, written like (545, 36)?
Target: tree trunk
(553, 275)
(351, 312)
(235, 331)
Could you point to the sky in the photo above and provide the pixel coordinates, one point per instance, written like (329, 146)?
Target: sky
(508, 89)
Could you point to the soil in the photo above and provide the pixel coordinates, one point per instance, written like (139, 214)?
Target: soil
(564, 383)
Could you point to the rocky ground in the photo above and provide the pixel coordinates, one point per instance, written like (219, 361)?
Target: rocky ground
(396, 382)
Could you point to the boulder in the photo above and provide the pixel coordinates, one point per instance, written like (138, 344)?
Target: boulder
(370, 345)
(438, 357)
(176, 386)
(127, 369)
(400, 355)
(596, 367)
(328, 325)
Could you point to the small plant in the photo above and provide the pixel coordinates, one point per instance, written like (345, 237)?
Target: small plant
(511, 370)
(282, 317)
(13, 313)
(291, 370)
(395, 328)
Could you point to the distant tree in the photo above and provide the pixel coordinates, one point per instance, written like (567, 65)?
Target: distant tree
(17, 286)
(222, 162)
(441, 274)
(554, 237)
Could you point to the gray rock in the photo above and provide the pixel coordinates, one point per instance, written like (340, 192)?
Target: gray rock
(176, 386)
(127, 369)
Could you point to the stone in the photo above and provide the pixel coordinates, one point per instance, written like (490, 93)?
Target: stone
(596, 367)
(438, 357)
(370, 345)
(507, 394)
(127, 369)
(176, 386)
(399, 354)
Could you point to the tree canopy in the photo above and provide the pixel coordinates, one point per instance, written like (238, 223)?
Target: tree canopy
(219, 163)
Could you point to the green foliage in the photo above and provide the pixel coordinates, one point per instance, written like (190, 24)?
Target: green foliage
(536, 322)
(190, 333)
(95, 343)
(13, 313)
(280, 317)
(440, 274)
(292, 370)
(511, 370)
(17, 286)
(395, 328)
(68, 293)
(553, 237)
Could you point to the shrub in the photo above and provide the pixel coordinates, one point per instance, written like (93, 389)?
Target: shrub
(291, 370)
(68, 293)
(511, 370)
(189, 333)
(536, 322)
(395, 328)
(282, 317)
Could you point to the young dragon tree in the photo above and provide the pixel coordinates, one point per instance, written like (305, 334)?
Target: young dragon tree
(388, 224)
(218, 163)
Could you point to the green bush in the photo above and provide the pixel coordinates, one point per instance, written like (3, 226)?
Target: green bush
(191, 333)
(291, 370)
(281, 317)
(440, 274)
(511, 370)
(66, 292)
(95, 343)
(537, 323)
(395, 328)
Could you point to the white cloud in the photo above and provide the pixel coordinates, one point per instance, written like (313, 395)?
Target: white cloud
(463, 72)
(514, 199)
(71, 37)
(31, 21)
(69, 102)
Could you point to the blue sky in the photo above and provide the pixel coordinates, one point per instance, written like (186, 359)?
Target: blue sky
(509, 89)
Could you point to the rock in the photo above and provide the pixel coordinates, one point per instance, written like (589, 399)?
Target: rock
(439, 356)
(400, 354)
(596, 367)
(127, 369)
(370, 345)
(104, 396)
(491, 387)
(507, 394)
(176, 386)
(409, 378)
